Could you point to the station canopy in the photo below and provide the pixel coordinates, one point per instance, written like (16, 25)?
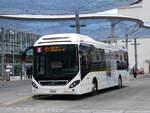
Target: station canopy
(143, 32)
(49, 7)
(99, 27)
(31, 16)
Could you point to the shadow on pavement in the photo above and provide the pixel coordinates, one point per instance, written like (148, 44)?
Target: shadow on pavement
(74, 97)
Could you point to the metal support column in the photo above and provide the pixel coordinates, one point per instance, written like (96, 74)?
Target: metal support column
(13, 52)
(112, 33)
(135, 47)
(77, 21)
(21, 36)
(126, 41)
(3, 32)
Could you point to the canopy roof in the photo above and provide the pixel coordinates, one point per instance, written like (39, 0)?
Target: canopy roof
(143, 32)
(100, 27)
(48, 7)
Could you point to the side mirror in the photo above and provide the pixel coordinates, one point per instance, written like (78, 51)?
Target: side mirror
(24, 53)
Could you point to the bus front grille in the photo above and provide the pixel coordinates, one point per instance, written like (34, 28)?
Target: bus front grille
(53, 82)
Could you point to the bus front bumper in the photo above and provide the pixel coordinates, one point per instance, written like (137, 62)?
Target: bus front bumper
(54, 91)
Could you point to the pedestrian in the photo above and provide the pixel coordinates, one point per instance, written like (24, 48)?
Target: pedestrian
(29, 72)
(134, 72)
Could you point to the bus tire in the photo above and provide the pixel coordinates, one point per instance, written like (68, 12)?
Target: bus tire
(95, 87)
(119, 82)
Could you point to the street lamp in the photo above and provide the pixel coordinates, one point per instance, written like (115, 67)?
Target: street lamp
(12, 38)
(126, 41)
(135, 50)
(77, 26)
(2, 52)
(21, 59)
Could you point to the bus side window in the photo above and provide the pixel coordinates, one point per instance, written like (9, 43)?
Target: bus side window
(108, 62)
(102, 59)
(126, 59)
(94, 59)
(85, 57)
(122, 63)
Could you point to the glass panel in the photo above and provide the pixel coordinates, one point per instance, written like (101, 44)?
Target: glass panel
(47, 7)
(56, 61)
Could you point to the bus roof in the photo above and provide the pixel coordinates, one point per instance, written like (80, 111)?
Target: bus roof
(73, 38)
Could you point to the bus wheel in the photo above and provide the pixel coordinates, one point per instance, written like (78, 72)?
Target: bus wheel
(119, 82)
(94, 89)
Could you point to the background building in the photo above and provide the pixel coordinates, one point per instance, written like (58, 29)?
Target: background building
(140, 11)
(12, 44)
(143, 53)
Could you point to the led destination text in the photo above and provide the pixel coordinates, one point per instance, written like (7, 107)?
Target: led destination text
(54, 49)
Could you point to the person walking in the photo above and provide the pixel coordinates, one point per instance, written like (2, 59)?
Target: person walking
(134, 72)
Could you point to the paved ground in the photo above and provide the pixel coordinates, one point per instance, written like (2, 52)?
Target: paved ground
(11, 91)
(15, 78)
(15, 97)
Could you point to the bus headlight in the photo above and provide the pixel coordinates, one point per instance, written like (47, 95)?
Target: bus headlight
(34, 85)
(74, 84)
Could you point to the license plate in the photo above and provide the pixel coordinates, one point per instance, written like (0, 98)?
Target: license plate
(52, 91)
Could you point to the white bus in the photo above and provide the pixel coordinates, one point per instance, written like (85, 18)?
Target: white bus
(76, 64)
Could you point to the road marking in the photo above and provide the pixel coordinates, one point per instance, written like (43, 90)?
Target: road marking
(48, 110)
(17, 100)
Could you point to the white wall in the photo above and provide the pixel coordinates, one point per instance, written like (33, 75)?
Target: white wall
(146, 68)
(140, 11)
(143, 52)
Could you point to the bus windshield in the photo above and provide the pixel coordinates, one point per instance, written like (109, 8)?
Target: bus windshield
(56, 62)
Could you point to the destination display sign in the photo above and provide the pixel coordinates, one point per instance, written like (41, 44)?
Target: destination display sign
(54, 49)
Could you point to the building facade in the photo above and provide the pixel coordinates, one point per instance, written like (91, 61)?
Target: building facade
(12, 44)
(143, 53)
(140, 11)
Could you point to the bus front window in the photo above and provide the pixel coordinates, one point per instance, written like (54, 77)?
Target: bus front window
(56, 62)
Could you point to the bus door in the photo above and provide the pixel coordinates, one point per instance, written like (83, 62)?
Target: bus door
(111, 68)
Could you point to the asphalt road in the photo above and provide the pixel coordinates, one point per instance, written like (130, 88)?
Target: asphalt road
(133, 98)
